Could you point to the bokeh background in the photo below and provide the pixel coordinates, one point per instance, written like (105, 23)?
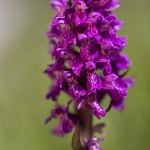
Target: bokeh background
(24, 56)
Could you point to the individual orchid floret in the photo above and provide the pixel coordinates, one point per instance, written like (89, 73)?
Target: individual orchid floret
(76, 91)
(92, 144)
(65, 124)
(67, 34)
(88, 50)
(92, 29)
(76, 64)
(107, 22)
(80, 14)
(121, 61)
(85, 47)
(109, 81)
(119, 94)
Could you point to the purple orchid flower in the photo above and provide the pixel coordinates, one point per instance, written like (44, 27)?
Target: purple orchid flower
(88, 62)
(92, 144)
(65, 123)
(80, 14)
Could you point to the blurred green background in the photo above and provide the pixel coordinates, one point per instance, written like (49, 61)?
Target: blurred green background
(24, 56)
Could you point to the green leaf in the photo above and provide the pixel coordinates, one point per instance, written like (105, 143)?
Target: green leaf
(76, 143)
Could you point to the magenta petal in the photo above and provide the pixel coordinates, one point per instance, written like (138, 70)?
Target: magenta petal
(113, 4)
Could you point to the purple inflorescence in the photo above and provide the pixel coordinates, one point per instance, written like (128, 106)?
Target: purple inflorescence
(84, 38)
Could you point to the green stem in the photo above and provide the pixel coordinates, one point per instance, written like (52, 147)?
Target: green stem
(85, 114)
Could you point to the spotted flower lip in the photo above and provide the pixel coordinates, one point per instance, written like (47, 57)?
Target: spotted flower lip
(88, 59)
